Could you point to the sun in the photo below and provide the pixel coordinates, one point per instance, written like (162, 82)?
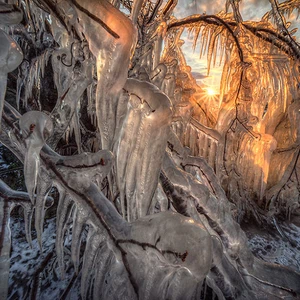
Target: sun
(211, 92)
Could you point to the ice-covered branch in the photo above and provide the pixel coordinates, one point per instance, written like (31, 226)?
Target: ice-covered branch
(189, 196)
(282, 26)
(287, 7)
(272, 36)
(208, 19)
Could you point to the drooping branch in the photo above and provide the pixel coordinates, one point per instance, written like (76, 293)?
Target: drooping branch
(282, 26)
(209, 19)
(287, 7)
(272, 36)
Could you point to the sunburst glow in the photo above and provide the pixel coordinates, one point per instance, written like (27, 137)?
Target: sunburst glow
(211, 92)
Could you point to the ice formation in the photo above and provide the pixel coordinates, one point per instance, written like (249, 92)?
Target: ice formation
(8, 200)
(36, 127)
(160, 175)
(138, 165)
(11, 55)
(111, 37)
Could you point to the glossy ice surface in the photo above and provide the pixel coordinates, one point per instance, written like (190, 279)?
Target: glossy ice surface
(149, 202)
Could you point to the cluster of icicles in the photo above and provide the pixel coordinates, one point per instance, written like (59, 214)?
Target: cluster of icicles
(132, 255)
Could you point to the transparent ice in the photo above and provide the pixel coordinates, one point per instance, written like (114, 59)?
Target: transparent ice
(161, 174)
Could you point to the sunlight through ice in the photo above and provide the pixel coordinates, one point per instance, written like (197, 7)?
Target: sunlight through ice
(210, 92)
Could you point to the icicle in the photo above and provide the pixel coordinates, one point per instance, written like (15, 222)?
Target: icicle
(224, 79)
(212, 49)
(36, 127)
(131, 122)
(293, 115)
(62, 217)
(276, 77)
(157, 48)
(94, 239)
(203, 41)
(43, 62)
(36, 70)
(22, 198)
(91, 104)
(22, 75)
(81, 216)
(44, 185)
(28, 212)
(146, 59)
(103, 261)
(76, 128)
(10, 58)
(196, 35)
(222, 48)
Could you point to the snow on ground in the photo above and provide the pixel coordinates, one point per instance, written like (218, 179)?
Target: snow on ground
(271, 247)
(30, 267)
